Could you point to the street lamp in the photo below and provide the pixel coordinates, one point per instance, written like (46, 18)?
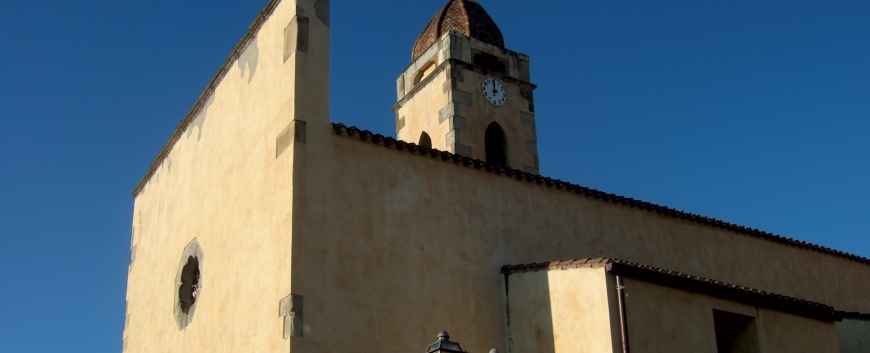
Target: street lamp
(444, 345)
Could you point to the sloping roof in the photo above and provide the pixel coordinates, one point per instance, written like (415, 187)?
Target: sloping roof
(706, 286)
(519, 175)
(464, 16)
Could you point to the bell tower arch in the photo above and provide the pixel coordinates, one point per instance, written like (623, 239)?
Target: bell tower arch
(461, 82)
(495, 144)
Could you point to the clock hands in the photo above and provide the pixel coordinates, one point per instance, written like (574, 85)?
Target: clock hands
(499, 94)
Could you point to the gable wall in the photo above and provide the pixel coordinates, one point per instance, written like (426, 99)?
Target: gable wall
(224, 184)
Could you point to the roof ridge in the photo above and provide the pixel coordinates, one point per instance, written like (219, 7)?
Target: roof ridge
(440, 14)
(464, 9)
(519, 175)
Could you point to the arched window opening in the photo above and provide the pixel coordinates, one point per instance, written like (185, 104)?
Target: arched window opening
(496, 145)
(189, 288)
(425, 141)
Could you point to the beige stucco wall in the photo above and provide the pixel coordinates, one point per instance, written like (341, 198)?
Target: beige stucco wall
(413, 245)
(421, 114)
(574, 310)
(663, 319)
(781, 332)
(854, 336)
(561, 311)
(223, 185)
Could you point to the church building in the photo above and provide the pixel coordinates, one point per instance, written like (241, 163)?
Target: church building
(267, 225)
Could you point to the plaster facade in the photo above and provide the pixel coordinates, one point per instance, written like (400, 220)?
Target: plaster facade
(562, 311)
(854, 335)
(382, 247)
(662, 319)
(220, 182)
(576, 310)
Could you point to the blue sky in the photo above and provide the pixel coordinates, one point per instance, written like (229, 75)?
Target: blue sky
(754, 112)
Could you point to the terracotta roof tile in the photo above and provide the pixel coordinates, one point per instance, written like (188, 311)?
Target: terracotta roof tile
(706, 286)
(464, 16)
(364, 135)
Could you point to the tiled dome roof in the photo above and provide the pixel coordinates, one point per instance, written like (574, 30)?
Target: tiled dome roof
(464, 16)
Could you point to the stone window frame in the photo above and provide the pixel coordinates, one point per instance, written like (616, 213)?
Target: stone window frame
(425, 70)
(183, 319)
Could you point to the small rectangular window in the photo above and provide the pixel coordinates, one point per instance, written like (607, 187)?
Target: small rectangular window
(735, 332)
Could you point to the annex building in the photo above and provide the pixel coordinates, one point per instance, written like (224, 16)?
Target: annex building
(266, 225)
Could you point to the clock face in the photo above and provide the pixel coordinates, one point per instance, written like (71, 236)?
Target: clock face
(493, 91)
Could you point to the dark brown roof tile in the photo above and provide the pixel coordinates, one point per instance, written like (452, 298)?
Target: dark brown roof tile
(464, 16)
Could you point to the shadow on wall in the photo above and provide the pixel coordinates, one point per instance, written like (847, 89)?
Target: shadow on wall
(249, 59)
(565, 310)
(529, 313)
(199, 120)
(854, 335)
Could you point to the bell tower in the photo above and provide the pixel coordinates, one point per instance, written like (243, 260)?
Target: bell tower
(466, 93)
